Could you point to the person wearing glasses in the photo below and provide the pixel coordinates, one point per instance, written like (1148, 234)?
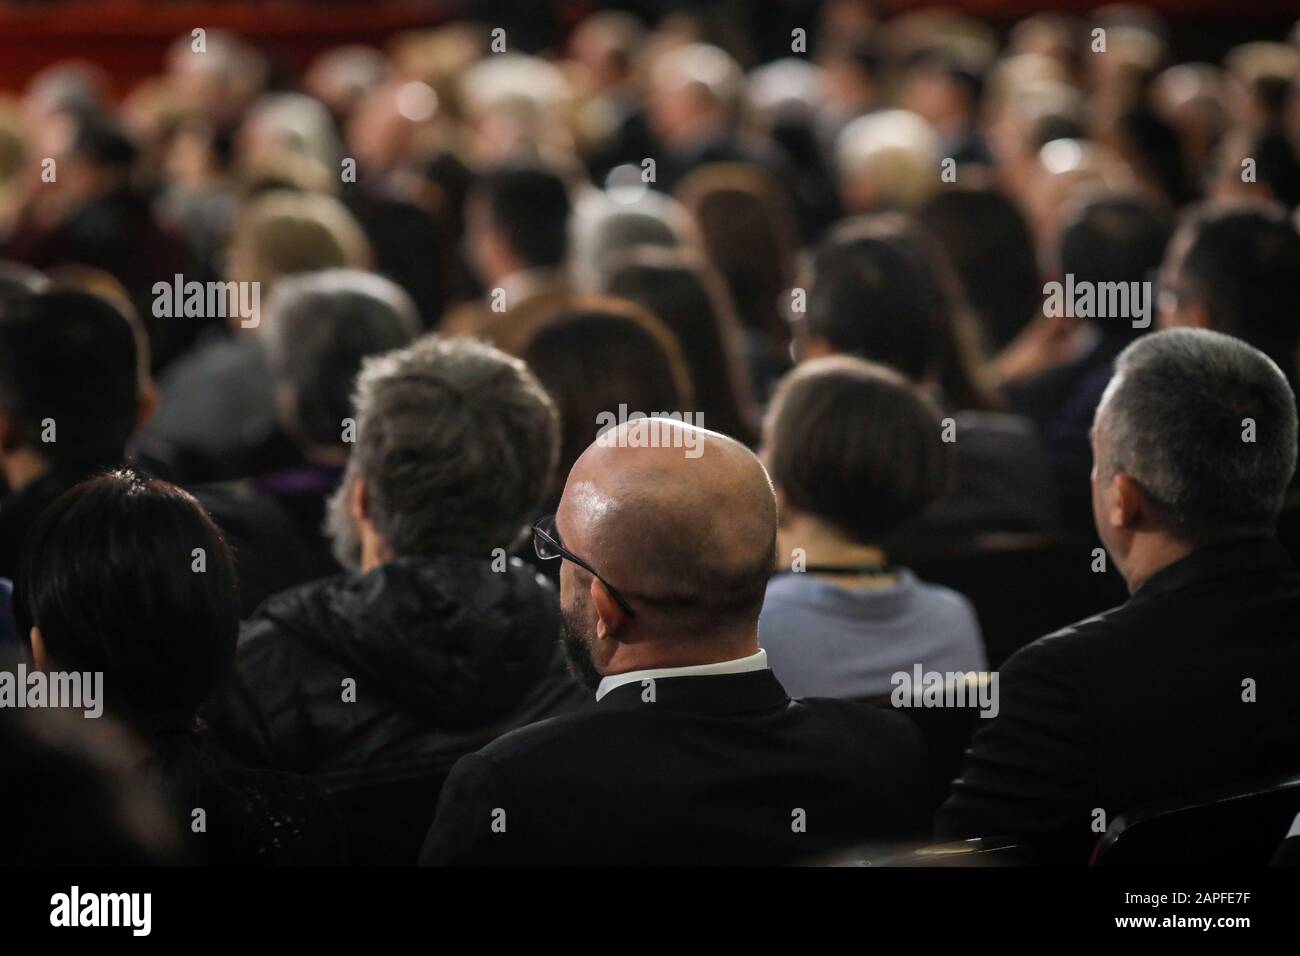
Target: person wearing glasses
(434, 642)
(694, 753)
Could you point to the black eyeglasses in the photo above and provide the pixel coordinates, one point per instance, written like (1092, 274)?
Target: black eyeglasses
(546, 542)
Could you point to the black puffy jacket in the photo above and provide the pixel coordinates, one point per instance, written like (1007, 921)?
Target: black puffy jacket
(445, 655)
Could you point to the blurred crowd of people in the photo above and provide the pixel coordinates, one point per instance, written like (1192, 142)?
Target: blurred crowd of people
(465, 256)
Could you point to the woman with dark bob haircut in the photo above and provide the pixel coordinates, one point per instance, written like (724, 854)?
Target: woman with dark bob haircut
(855, 452)
(128, 577)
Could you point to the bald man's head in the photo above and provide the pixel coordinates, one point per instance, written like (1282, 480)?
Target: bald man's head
(681, 521)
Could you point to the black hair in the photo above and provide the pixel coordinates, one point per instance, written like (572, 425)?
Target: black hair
(857, 445)
(1241, 264)
(992, 251)
(130, 577)
(68, 358)
(530, 205)
(1114, 239)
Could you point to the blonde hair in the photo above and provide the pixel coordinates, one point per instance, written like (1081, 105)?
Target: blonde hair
(897, 151)
(286, 233)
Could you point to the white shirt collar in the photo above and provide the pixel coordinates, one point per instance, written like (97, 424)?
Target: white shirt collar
(741, 665)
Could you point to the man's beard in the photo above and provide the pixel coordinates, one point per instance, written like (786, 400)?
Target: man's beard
(576, 651)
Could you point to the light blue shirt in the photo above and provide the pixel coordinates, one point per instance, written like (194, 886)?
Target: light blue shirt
(824, 640)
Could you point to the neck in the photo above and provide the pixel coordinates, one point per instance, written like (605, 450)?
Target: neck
(823, 545)
(1151, 556)
(22, 467)
(688, 652)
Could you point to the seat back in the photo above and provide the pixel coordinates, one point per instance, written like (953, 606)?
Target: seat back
(386, 811)
(1239, 825)
(1024, 586)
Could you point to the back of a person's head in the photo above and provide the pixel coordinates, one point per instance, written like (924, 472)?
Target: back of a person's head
(529, 205)
(691, 300)
(103, 142)
(868, 299)
(319, 328)
(605, 228)
(282, 233)
(1206, 425)
(601, 354)
(1114, 239)
(1241, 264)
(70, 377)
(857, 446)
(455, 442)
(748, 231)
(130, 577)
(992, 251)
(888, 159)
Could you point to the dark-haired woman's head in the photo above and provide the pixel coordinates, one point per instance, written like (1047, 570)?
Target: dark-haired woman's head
(992, 251)
(691, 300)
(882, 290)
(129, 577)
(601, 354)
(855, 446)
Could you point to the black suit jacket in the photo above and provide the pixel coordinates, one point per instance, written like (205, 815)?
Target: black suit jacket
(1141, 703)
(715, 770)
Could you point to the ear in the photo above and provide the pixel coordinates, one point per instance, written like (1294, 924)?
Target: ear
(1196, 315)
(1127, 504)
(358, 504)
(39, 658)
(814, 347)
(609, 615)
(146, 405)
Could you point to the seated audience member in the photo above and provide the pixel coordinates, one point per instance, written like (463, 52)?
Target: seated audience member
(1057, 369)
(319, 327)
(597, 356)
(749, 232)
(1190, 684)
(689, 298)
(694, 752)
(518, 236)
(92, 214)
(448, 644)
(216, 405)
(991, 250)
(887, 160)
(855, 452)
(74, 385)
(1236, 269)
(696, 99)
(605, 228)
(876, 294)
(156, 613)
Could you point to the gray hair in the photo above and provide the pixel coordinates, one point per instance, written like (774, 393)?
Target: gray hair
(1206, 424)
(601, 227)
(319, 327)
(456, 442)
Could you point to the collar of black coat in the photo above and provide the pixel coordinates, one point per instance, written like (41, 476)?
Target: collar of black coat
(713, 694)
(1230, 559)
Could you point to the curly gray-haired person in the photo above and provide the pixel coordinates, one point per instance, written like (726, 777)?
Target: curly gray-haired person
(434, 642)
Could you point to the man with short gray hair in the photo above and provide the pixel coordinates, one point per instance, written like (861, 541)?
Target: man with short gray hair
(1190, 684)
(436, 641)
